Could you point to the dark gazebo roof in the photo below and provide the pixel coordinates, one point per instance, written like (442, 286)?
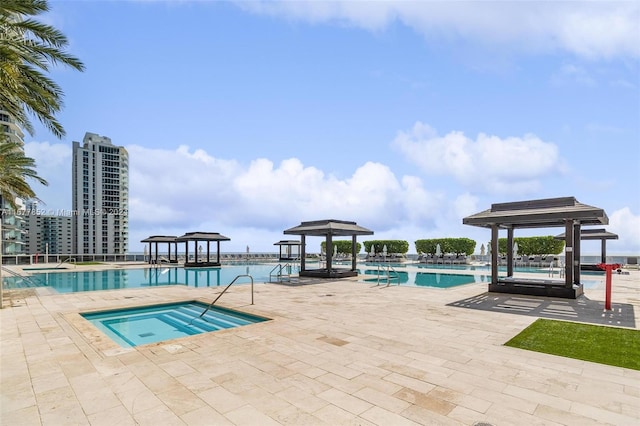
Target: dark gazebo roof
(159, 239)
(550, 212)
(202, 236)
(328, 227)
(287, 243)
(592, 234)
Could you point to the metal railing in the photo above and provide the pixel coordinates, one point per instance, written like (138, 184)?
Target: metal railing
(223, 291)
(388, 271)
(69, 260)
(278, 272)
(24, 277)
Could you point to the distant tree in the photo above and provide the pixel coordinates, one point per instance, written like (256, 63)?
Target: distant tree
(28, 49)
(15, 169)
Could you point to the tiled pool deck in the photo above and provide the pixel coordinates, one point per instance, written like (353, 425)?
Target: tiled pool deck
(340, 352)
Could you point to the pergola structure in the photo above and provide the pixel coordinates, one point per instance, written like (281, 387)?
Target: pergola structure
(594, 234)
(153, 242)
(198, 237)
(564, 212)
(328, 229)
(291, 249)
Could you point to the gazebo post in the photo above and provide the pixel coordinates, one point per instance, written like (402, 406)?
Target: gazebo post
(329, 249)
(353, 253)
(218, 251)
(568, 256)
(603, 251)
(494, 253)
(576, 251)
(303, 254)
(510, 251)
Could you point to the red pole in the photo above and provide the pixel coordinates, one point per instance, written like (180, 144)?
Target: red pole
(607, 297)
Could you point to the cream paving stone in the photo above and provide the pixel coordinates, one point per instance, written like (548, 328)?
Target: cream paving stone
(48, 382)
(28, 416)
(67, 415)
(302, 399)
(345, 401)
(160, 415)
(340, 383)
(265, 402)
(249, 416)
(381, 399)
(295, 416)
(334, 415)
(380, 416)
(466, 416)
(563, 417)
(205, 416)
(221, 399)
(181, 400)
(424, 416)
(16, 397)
(389, 347)
(409, 382)
(117, 415)
(460, 399)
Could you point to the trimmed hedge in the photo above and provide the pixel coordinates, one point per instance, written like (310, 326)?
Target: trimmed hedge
(344, 246)
(393, 246)
(447, 245)
(531, 246)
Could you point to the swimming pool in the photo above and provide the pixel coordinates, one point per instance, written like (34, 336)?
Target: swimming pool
(152, 324)
(424, 279)
(113, 279)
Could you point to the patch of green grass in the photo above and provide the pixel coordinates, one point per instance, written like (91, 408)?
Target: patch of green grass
(605, 345)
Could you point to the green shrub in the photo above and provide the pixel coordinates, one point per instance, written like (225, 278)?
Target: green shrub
(344, 246)
(393, 246)
(458, 246)
(531, 246)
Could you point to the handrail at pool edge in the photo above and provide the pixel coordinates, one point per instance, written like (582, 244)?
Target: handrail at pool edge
(225, 289)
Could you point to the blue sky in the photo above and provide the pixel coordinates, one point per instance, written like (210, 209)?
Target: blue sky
(246, 118)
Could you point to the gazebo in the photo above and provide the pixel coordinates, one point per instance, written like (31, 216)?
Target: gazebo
(198, 237)
(291, 249)
(564, 212)
(594, 234)
(328, 229)
(153, 242)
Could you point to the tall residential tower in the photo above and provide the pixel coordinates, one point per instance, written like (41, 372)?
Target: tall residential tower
(11, 222)
(100, 196)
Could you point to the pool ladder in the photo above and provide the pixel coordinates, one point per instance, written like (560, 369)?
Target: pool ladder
(223, 291)
(26, 278)
(389, 272)
(68, 260)
(277, 272)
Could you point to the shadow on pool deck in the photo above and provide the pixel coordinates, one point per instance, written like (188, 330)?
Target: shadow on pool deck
(581, 309)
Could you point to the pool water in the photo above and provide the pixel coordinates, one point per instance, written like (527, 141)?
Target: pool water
(425, 279)
(151, 324)
(113, 279)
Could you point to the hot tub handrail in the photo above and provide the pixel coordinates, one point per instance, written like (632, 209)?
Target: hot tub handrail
(68, 260)
(225, 289)
(24, 277)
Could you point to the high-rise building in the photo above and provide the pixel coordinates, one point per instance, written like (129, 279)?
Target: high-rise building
(100, 196)
(47, 233)
(11, 222)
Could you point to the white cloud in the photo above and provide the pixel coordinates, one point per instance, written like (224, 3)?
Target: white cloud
(53, 163)
(182, 190)
(627, 225)
(489, 163)
(592, 30)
